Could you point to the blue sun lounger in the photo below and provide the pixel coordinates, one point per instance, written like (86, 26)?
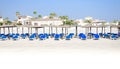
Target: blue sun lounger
(70, 36)
(4, 37)
(23, 36)
(96, 36)
(27, 34)
(106, 36)
(119, 34)
(32, 37)
(82, 36)
(101, 34)
(61, 35)
(114, 37)
(1, 36)
(46, 35)
(52, 34)
(15, 37)
(42, 36)
(56, 36)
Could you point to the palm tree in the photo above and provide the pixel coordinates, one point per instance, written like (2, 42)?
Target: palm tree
(39, 16)
(115, 21)
(17, 13)
(66, 21)
(64, 18)
(7, 21)
(35, 12)
(52, 15)
(88, 21)
(19, 24)
(1, 23)
(90, 24)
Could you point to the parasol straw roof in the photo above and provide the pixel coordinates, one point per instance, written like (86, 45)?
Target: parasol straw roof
(30, 26)
(99, 26)
(60, 26)
(111, 25)
(7, 26)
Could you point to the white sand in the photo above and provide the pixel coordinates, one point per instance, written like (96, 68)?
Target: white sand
(51, 45)
(62, 54)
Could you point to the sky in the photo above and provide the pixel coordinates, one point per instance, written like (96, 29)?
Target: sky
(76, 9)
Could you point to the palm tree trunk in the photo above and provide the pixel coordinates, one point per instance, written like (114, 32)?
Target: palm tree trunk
(97, 30)
(90, 33)
(0, 30)
(76, 30)
(36, 31)
(22, 30)
(4, 30)
(28, 30)
(65, 31)
(110, 29)
(104, 30)
(8, 30)
(86, 29)
(17, 29)
(49, 29)
(56, 30)
(31, 30)
(62, 30)
(43, 29)
(118, 29)
(12, 30)
(90, 29)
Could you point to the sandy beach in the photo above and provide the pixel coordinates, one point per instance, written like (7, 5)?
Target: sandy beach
(50, 45)
(70, 54)
(60, 54)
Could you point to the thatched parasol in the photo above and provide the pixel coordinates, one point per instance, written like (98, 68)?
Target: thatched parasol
(6, 26)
